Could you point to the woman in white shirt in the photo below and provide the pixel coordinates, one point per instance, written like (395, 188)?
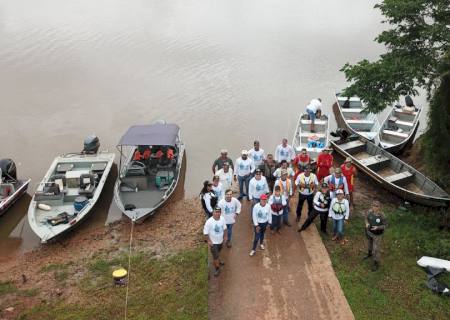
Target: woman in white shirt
(208, 199)
(339, 211)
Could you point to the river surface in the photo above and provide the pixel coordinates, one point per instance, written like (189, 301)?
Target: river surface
(226, 71)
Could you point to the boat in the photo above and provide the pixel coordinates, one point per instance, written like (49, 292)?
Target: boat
(69, 190)
(399, 128)
(393, 174)
(350, 114)
(144, 185)
(11, 188)
(313, 142)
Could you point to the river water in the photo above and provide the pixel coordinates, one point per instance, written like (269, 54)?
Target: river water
(226, 71)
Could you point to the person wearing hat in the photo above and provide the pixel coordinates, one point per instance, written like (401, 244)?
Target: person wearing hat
(306, 184)
(230, 208)
(225, 176)
(339, 211)
(257, 187)
(278, 203)
(336, 181)
(218, 163)
(301, 161)
(375, 226)
(243, 173)
(284, 151)
(324, 163)
(257, 155)
(261, 217)
(215, 235)
(349, 172)
(208, 198)
(284, 166)
(286, 189)
(217, 188)
(321, 203)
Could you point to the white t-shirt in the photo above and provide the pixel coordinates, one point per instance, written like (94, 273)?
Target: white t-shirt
(258, 157)
(261, 214)
(214, 229)
(314, 105)
(226, 178)
(219, 191)
(307, 181)
(256, 188)
(339, 210)
(284, 153)
(230, 209)
(244, 167)
(281, 199)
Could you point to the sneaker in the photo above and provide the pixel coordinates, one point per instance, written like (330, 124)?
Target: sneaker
(334, 238)
(228, 244)
(221, 263)
(217, 272)
(252, 253)
(262, 247)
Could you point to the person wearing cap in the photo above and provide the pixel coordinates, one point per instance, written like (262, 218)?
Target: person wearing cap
(286, 189)
(261, 217)
(324, 163)
(277, 203)
(321, 203)
(339, 211)
(284, 151)
(284, 166)
(217, 188)
(375, 226)
(314, 106)
(257, 155)
(336, 181)
(269, 169)
(230, 208)
(208, 198)
(243, 173)
(349, 172)
(301, 160)
(215, 235)
(257, 187)
(225, 176)
(218, 163)
(306, 184)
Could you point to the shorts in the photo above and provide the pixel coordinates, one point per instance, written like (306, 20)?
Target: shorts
(215, 249)
(311, 114)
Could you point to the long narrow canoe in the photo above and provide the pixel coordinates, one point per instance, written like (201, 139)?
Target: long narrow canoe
(313, 142)
(393, 174)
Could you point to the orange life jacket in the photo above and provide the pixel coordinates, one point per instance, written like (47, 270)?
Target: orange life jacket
(288, 187)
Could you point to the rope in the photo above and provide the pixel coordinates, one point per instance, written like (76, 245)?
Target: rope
(129, 270)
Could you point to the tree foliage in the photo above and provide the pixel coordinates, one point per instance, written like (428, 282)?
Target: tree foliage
(416, 43)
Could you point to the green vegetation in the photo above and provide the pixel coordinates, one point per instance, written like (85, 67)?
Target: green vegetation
(397, 290)
(60, 271)
(7, 288)
(174, 287)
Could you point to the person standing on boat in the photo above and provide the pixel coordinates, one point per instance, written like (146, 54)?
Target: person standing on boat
(324, 163)
(301, 161)
(243, 173)
(217, 188)
(336, 181)
(321, 203)
(349, 172)
(225, 175)
(278, 203)
(284, 166)
(257, 187)
(215, 235)
(208, 198)
(262, 217)
(286, 187)
(257, 155)
(268, 169)
(218, 163)
(306, 184)
(230, 208)
(314, 106)
(339, 211)
(284, 151)
(375, 226)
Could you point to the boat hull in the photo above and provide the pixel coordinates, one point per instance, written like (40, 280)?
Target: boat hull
(302, 134)
(5, 205)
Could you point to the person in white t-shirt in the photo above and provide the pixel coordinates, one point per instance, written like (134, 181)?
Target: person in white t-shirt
(231, 208)
(257, 155)
(311, 109)
(284, 151)
(284, 166)
(262, 217)
(217, 188)
(257, 187)
(225, 176)
(215, 235)
(243, 173)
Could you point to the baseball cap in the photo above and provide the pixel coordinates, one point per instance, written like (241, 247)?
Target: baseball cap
(263, 197)
(324, 185)
(244, 152)
(217, 209)
(339, 191)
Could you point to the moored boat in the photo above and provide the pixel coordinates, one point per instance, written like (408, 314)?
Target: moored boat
(11, 188)
(313, 142)
(393, 174)
(69, 190)
(149, 170)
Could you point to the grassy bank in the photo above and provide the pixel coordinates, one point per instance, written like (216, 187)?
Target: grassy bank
(172, 287)
(397, 290)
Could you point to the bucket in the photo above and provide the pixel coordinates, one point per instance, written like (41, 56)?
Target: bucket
(120, 276)
(79, 203)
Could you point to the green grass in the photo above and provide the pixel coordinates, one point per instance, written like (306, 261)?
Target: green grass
(175, 287)
(7, 287)
(397, 290)
(60, 271)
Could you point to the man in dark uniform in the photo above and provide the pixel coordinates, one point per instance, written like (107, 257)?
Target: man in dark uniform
(375, 226)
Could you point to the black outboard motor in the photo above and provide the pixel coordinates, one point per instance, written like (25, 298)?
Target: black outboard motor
(91, 144)
(8, 170)
(409, 101)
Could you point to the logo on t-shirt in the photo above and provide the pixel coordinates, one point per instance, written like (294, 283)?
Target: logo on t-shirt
(261, 214)
(228, 210)
(216, 228)
(259, 186)
(283, 153)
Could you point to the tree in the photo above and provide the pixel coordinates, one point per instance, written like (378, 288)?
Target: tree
(417, 44)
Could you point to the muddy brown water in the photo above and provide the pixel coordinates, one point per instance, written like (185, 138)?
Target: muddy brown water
(226, 71)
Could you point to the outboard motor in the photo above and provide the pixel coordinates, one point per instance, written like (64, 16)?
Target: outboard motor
(409, 101)
(8, 170)
(91, 144)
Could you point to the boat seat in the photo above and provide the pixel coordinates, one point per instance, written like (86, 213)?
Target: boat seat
(360, 121)
(404, 123)
(406, 113)
(353, 146)
(399, 178)
(64, 167)
(378, 160)
(136, 168)
(87, 185)
(396, 134)
(310, 134)
(351, 110)
(98, 167)
(316, 122)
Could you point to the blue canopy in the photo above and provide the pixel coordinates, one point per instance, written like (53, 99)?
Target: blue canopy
(157, 134)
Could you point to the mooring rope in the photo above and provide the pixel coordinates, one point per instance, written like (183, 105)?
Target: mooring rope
(129, 270)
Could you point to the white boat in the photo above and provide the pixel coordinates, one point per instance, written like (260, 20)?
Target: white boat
(11, 188)
(350, 114)
(68, 192)
(145, 185)
(313, 142)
